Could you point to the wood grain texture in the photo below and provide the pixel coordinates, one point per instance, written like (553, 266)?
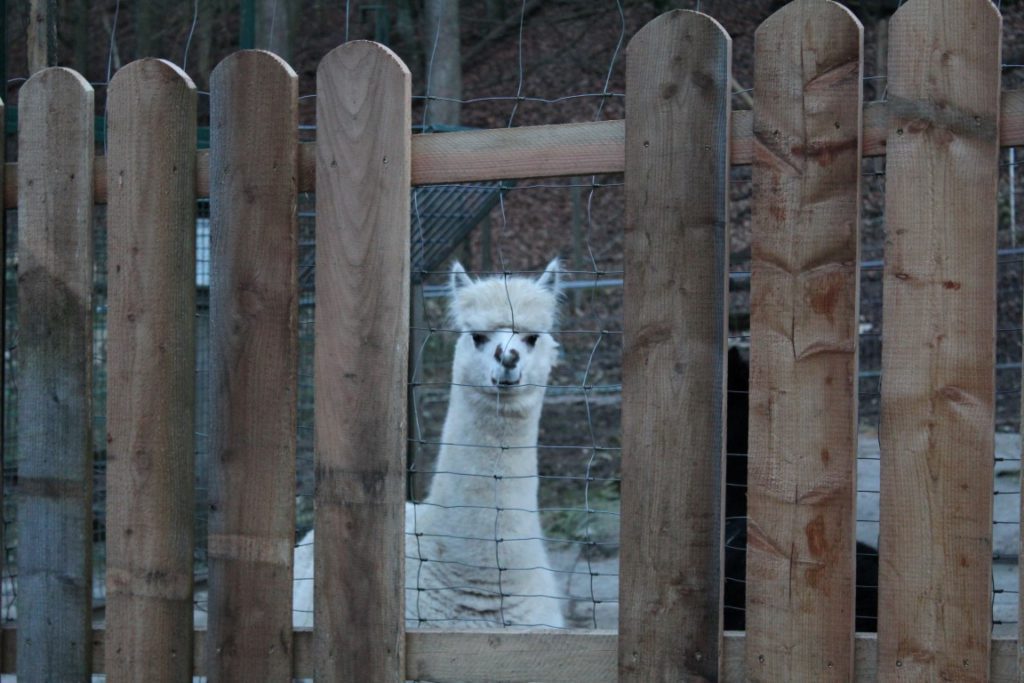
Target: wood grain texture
(938, 361)
(254, 356)
(538, 151)
(3, 339)
(456, 656)
(588, 148)
(676, 255)
(803, 344)
(497, 656)
(362, 333)
(151, 372)
(55, 149)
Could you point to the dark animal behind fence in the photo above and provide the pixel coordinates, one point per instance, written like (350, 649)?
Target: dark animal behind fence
(735, 591)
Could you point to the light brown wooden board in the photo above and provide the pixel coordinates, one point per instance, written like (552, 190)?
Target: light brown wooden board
(588, 148)
(480, 655)
(676, 255)
(552, 150)
(55, 148)
(151, 372)
(253, 357)
(938, 360)
(803, 344)
(362, 335)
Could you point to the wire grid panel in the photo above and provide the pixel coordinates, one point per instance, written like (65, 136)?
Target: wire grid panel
(592, 475)
(578, 477)
(569, 501)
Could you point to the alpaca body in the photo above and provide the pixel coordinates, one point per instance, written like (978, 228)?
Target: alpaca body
(482, 518)
(474, 552)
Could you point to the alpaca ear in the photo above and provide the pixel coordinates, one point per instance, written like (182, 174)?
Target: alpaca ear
(459, 277)
(549, 279)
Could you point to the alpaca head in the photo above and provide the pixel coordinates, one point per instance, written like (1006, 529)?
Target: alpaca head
(505, 347)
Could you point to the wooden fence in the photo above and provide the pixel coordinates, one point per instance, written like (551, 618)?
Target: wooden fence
(941, 128)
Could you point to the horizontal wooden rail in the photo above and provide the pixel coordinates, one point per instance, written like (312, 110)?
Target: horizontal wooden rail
(568, 149)
(575, 656)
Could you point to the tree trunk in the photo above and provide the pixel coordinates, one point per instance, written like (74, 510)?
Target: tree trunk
(444, 62)
(405, 27)
(42, 35)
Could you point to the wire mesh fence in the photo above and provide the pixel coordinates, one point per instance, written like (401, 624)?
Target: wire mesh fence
(578, 442)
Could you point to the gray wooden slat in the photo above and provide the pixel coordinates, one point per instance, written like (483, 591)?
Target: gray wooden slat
(150, 372)
(254, 360)
(362, 331)
(55, 152)
(676, 254)
(3, 373)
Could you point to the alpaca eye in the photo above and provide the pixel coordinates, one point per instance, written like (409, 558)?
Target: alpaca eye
(480, 339)
(531, 340)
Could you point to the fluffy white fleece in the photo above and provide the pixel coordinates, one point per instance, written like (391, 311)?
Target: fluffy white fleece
(474, 554)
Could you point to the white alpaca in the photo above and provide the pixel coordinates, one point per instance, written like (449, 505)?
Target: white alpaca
(474, 554)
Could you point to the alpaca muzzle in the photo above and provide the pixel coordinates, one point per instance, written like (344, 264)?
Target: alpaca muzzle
(506, 377)
(507, 373)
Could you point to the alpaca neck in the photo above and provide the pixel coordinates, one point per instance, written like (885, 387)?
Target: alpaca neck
(493, 440)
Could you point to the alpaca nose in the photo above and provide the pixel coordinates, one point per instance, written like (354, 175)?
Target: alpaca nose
(508, 359)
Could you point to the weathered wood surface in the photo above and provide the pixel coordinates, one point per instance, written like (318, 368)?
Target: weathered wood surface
(447, 656)
(253, 357)
(55, 149)
(362, 333)
(3, 338)
(676, 255)
(151, 372)
(537, 151)
(587, 148)
(41, 35)
(939, 354)
(803, 344)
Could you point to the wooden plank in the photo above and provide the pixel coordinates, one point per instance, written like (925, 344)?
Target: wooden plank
(676, 256)
(3, 373)
(938, 361)
(151, 372)
(254, 356)
(803, 344)
(55, 149)
(362, 332)
(588, 148)
(463, 655)
(536, 151)
(497, 656)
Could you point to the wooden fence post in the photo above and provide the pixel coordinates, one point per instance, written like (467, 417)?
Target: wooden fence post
(151, 372)
(254, 358)
(938, 361)
(3, 368)
(55, 157)
(803, 344)
(364, 126)
(677, 169)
